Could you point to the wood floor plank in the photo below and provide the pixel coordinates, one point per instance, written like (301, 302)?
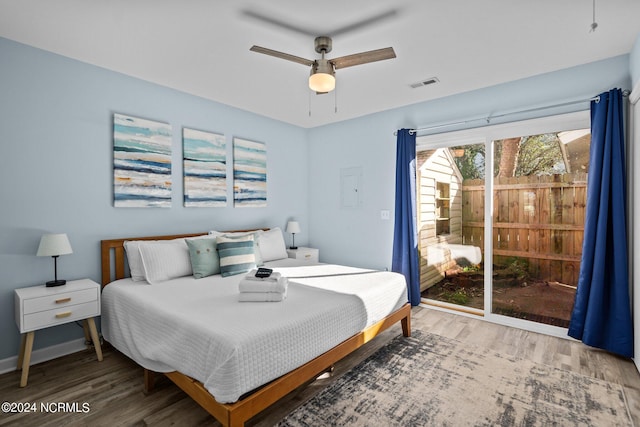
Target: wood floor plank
(113, 387)
(183, 412)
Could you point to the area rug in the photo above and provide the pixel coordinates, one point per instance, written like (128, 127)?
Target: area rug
(429, 380)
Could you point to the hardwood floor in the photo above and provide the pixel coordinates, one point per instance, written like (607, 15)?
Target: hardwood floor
(113, 388)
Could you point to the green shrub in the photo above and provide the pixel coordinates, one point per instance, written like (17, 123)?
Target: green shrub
(472, 268)
(518, 267)
(459, 297)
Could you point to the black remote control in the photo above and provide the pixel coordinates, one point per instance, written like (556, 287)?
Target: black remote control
(264, 272)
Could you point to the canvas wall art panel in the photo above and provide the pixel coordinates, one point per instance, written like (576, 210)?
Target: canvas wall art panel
(141, 162)
(205, 168)
(249, 173)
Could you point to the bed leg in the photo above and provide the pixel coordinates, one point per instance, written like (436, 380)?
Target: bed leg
(235, 422)
(406, 325)
(149, 381)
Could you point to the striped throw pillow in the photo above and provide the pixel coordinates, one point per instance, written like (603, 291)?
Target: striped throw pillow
(236, 255)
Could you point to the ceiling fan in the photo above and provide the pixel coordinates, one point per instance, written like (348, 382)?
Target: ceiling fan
(322, 78)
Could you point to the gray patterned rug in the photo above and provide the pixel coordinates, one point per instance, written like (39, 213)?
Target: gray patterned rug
(429, 380)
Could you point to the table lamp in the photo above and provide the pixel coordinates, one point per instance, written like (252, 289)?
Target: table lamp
(54, 245)
(293, 227)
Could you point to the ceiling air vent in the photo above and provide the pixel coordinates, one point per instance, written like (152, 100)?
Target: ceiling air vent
(425, 82)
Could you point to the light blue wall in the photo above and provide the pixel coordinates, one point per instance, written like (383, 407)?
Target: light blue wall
(56, 118)
(358, 236)
(634, 62)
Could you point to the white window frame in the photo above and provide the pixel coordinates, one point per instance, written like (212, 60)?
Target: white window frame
(486, 135)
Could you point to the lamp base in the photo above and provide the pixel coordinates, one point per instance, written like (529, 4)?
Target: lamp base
(53, 283)
(293, 247)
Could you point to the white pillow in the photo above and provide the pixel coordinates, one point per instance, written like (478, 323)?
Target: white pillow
(165, 261)
(132, 249)
(233, 234)
(202, 236)
(271, 245)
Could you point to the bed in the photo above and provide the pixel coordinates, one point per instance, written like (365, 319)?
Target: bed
(236, 358)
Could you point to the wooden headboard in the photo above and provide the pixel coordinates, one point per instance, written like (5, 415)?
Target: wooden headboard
(113, 249)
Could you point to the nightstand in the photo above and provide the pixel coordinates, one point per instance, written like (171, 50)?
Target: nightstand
(39, 307)
(311, 255)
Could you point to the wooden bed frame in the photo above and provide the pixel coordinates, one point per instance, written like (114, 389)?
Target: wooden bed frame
(235, 414)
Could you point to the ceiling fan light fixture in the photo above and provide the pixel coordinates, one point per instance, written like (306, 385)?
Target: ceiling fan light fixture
(322, 78)
(322, 82)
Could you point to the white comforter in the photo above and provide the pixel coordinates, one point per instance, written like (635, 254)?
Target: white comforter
(198, 327)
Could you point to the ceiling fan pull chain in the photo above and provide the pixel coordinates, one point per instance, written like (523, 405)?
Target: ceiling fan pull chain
(335, 99)
(594, 24)
(309, 92)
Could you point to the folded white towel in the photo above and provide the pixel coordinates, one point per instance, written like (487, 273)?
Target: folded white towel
(262, 296)
(251, 275)
(248, 285)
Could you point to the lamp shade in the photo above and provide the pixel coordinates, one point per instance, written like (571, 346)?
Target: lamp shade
(321, 82)
(293, 227)
(322, 78)
(54, 245)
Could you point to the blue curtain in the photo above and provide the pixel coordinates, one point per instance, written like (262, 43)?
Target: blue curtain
(601, 314)
(405, 236)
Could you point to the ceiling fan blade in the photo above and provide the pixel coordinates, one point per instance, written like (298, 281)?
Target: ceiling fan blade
(281, 55)
(277, 22)
(363, 58)
(271, 18)
(374, 19)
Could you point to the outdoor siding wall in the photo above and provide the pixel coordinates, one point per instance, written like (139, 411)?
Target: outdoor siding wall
(435, 167)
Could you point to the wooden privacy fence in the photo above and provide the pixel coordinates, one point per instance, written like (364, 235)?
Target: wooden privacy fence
(536, 218)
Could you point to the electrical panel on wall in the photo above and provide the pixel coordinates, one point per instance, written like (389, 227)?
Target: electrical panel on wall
(351, 187)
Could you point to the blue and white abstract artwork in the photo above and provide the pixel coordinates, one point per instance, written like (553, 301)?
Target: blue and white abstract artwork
(249, 173)
(141, 162)
(205, 169)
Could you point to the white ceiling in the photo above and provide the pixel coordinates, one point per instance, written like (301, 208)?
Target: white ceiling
(202, 47)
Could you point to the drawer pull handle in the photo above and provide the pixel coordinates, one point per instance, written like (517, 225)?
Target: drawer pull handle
(62, 315)
(63, 300)
(307, 256)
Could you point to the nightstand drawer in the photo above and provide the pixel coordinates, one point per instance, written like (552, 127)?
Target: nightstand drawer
(69, 313)
(307, 256)
(58, 300)
(310, 255)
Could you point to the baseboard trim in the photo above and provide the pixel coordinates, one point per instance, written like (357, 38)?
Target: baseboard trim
(45, 354)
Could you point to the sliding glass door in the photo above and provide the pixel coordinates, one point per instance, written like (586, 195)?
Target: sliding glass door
(539, 199)
(451, 232)
(501, 219)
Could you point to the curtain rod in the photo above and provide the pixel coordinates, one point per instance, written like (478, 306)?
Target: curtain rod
(488, 119)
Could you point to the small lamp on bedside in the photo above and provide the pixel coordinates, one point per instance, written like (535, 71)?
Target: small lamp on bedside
(54, 245)
(293, 227)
